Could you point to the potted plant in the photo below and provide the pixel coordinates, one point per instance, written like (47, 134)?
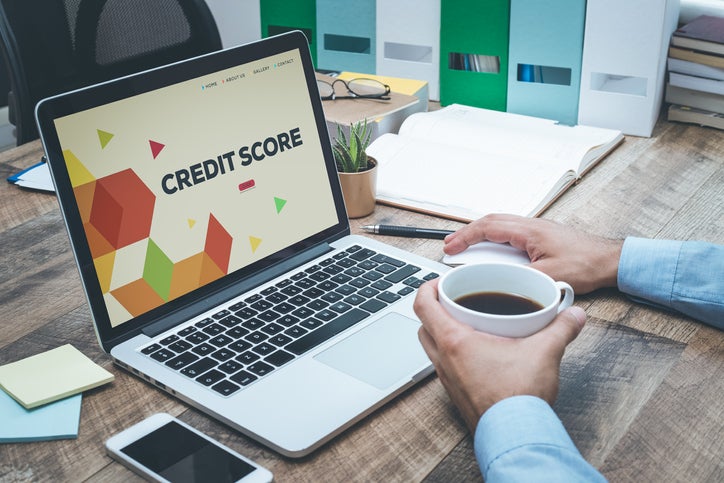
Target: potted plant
(357, 171)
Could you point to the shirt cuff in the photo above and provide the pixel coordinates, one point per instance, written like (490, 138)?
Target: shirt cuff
(515, 422)
(647, 269)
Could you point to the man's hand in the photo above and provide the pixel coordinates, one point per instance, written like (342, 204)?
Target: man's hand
(479, 369)
(585, 261)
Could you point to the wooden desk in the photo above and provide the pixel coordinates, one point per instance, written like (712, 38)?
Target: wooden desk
(642, 391)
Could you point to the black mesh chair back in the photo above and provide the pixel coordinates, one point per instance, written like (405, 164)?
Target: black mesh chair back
(52, 46)
(119, 37)
(37, 47)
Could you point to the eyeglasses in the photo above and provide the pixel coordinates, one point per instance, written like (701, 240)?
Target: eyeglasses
(357, 89)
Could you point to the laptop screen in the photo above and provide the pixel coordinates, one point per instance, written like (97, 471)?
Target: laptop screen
(178, 186)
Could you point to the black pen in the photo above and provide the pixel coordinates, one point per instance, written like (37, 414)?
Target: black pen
(408, 231)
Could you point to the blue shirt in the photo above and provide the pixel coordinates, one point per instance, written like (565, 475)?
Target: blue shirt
(522, 439)
(684, 276)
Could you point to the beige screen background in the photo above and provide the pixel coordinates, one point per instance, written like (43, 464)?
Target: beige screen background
(159, 133)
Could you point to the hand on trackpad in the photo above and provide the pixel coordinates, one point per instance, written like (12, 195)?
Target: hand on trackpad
(381, 354)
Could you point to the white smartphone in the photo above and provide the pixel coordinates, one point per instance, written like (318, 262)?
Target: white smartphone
(162, 448)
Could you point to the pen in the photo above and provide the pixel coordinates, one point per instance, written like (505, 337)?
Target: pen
(408, 231)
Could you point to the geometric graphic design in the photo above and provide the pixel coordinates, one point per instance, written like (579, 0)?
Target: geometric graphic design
(76, 171)
(104, 137)
(279, 204)
(193, 272)
(218, 244)
(191, 222)
(84, 198)
(155, 148)
(254, 242)
(157, 270)
(122, 208)
(137, 297)
(104, 269)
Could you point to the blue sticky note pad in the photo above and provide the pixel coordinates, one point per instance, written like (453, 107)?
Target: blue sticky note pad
(57, 420)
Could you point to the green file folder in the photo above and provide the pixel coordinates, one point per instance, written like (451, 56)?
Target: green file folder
(279, 16)
(474, 52)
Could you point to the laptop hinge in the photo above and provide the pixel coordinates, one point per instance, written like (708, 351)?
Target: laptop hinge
(240, 287)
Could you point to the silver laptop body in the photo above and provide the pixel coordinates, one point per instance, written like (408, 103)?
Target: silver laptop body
(207, 221)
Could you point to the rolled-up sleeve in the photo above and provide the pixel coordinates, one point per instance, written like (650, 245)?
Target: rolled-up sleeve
(686, 276)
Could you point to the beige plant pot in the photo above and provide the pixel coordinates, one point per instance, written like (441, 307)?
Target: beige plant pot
(359, 191)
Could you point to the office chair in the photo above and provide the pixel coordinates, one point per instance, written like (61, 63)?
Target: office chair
(118, 37)
(37, 47)
(52, 46)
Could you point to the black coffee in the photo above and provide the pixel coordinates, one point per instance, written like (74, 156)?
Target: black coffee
(499, 303)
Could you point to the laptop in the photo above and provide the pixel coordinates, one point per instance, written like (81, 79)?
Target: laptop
(207, 221)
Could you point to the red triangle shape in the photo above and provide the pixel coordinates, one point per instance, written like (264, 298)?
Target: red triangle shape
(156, 148)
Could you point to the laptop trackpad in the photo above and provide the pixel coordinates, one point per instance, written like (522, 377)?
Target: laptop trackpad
(380, 354)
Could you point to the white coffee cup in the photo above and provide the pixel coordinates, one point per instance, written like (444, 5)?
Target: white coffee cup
(505, 278)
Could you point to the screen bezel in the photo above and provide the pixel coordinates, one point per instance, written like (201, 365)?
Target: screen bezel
(201, 299)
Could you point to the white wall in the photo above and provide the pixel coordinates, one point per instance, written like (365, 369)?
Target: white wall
(691, 9)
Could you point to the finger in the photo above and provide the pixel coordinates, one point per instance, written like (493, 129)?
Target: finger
(428, 344)
(435, 319)
(498, 228)
(564, 329)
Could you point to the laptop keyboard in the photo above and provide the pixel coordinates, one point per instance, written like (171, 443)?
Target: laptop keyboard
(249, 339)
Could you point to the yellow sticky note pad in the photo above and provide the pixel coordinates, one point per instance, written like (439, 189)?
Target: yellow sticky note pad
(51, 375)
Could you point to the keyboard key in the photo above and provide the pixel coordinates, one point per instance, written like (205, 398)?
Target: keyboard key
(247, 357)
(291, 290)
(332, 297)
(169, 340)
(236, 332)
(221, 340)
(260, 368)
(380, 258)
(280, 340)
(244, 378)
(345, 289)
(180, 346)
(303, 312)
(431, 276)
(276, 298)
(373, 305)
(230, 321)
(284, 308)
(188, 330)
(214, 329)
(256, 337)
(299, 300)
(150, 349)
(210, 377)
(359, 282)
(239, 346)
(237, 306)
(279, 358)
(225, 388)
(373, 276)
(246, 313)
(203, 323)
(314, 292)
(223, 354)
(368, 292)
(230, 367)
(382, 285)
(253, 324)
(360, 255)
(272, 329)
(405, 290)
(182, 360)
(252, 298)
(268, 291)
(311, 323)
(338, 279)
(221, 314)
(388, 297)
(203, 349)
(261, 305)
(268, 316)
(354, 299)
(295, 331)
(199, 367)
(317, 304)
(197, 337)
(326, 331)
(287, 320)
(162, 355)
(340, 307)
(402, 273)
(264, 349)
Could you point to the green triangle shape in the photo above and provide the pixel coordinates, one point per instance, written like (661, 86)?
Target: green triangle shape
(279, 203)
(104, 137)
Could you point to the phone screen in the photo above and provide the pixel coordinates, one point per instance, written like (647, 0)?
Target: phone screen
(180, 455)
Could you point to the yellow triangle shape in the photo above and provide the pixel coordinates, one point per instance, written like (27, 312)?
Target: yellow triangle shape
(254, 242)
(191, 222)
(78, 173)
(104, 137)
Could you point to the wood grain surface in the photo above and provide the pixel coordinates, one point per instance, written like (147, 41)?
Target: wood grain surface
(641, 389)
